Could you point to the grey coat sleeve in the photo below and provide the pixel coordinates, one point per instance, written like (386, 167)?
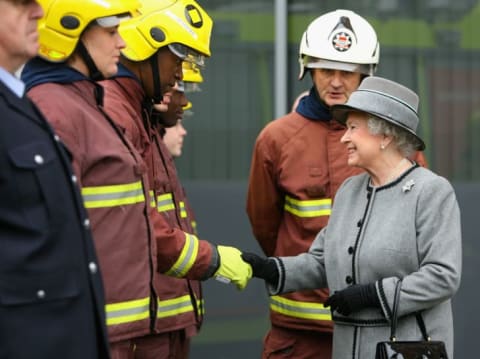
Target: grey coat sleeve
(304, 271)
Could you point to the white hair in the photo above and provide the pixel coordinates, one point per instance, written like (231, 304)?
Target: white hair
(405, 142)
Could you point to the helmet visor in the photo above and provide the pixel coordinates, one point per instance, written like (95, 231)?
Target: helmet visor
(111, 21)
(192, 87)
(180, 86)
(315, 63)
(187, 54)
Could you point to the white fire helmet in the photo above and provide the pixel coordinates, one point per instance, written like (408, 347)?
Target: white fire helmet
(339, 40)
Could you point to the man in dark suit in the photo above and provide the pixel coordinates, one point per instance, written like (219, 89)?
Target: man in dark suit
(51, 294)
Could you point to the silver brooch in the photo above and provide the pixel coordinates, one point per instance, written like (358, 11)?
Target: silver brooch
(408, 186)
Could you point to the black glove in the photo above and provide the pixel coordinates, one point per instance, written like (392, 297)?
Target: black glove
(353, 298)
(264, 268)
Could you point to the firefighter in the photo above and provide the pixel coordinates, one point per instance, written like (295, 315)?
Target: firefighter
(158, 42)
(181, 108)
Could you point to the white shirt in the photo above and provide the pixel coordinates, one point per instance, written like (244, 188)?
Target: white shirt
(12, 82)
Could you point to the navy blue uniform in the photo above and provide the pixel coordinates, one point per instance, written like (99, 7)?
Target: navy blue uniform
(51, 294)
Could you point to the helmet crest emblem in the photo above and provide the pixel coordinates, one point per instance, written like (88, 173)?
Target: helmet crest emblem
(342, 40)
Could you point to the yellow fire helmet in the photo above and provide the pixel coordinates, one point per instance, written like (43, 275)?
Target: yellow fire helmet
(64, 21)
(192, 76)
(182, 25)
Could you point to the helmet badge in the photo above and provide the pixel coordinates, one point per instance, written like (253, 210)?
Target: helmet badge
(194, 17)
(342, 35)
(342, 41)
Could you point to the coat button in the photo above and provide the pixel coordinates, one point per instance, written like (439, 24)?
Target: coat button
(359, 223)
(74, 179)
(350, 250)
(93, 267)
(86, 223)
(41, 294)
(56, 138)
(349, 279)
(38, 159)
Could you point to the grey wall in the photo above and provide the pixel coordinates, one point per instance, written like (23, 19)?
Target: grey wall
(236, 321)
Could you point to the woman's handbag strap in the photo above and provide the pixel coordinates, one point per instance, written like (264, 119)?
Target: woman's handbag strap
(418, 316)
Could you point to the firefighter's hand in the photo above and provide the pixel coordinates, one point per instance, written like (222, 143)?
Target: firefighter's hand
(162, 106)
(232, 267)
(265, 268)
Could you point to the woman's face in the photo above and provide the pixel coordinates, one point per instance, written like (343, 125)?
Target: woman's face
(104, 45)
(363, 147)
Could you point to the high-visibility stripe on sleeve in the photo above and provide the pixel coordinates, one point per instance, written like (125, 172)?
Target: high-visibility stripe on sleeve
(114, 195)
(308, 208)
(127, 312)
(175, 306)
(183, 210)
(153, 203)
(165, 202)
(187, 258)
(298, 309)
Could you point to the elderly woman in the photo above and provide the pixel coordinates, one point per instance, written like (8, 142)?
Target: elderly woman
(397, 221)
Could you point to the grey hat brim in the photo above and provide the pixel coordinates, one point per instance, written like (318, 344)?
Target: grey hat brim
(340, 114)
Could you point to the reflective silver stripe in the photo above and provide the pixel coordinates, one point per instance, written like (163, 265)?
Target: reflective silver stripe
(298, 309)
(175, 306)
(114, 195)
(308, 208)
(126, 312)
(187, 258)
(165, 202)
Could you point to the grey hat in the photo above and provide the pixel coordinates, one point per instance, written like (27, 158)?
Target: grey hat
(385, 99)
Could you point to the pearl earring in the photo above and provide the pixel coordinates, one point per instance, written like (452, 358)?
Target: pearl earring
(382, 146)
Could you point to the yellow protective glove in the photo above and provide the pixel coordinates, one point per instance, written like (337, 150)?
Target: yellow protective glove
(232, 267)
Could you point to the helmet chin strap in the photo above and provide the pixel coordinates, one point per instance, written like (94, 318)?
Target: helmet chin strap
(156, 116)
(93, 70)
(157, 87)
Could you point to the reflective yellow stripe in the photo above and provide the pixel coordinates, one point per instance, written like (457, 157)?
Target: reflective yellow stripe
(127, 312)
(194, 226)
(153, 204)
(175, 306)
(297, 309)
(201, 306)
(187, 257)
(308, 208)
(183, 211)
(111, 196)
(165, 202)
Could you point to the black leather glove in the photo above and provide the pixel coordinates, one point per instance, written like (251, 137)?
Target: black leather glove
(353, 298)
(264, 268)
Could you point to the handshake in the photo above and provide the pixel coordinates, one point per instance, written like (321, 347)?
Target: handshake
(238, 268)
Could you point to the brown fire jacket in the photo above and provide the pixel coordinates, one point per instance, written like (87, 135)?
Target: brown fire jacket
(112, 178)
(297, 167)
(179, 300)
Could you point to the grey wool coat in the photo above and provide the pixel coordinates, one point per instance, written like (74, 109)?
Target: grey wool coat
(408, 229)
